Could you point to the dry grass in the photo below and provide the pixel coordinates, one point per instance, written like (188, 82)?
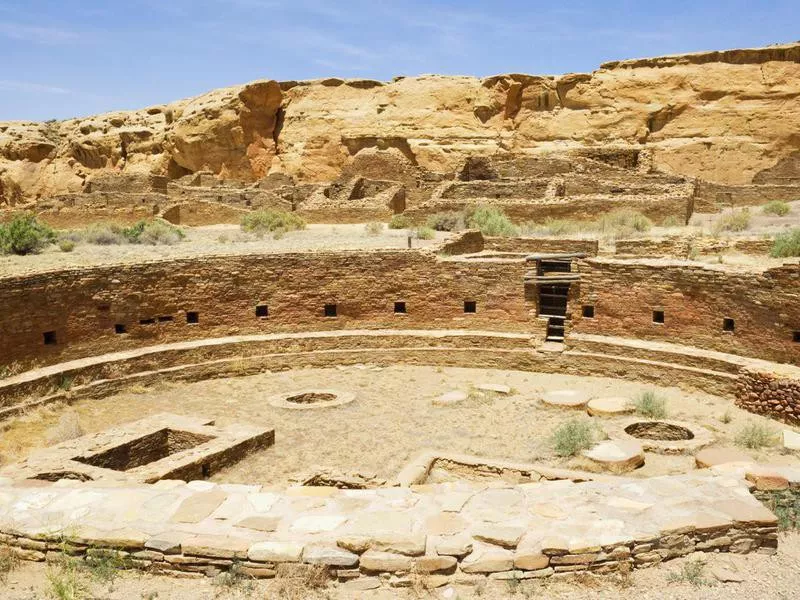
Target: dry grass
(300, 582)
(68, 428)
(8, 562)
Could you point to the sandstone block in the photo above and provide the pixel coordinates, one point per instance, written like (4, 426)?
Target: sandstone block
(373, 561)
(277, 552)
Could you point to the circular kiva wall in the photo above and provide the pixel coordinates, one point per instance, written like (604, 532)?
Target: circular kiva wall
(692, 325)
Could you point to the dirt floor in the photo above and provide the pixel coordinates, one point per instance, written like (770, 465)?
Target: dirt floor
(774, 577)
(391, 419)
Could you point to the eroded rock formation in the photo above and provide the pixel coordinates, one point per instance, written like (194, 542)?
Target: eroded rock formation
(727, 121)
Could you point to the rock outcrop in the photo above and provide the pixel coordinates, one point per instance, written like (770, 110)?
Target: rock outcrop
(729, 119)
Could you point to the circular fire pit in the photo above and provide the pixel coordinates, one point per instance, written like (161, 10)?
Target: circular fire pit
(663, 437)
(310, 399)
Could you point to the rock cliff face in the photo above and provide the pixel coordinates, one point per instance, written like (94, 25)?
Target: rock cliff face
(727, 118)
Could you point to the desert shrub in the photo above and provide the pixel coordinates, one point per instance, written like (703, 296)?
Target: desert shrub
(68, 428)
(25, 234)
(103, 234)
(672, 221)
(776, 207)
(552, 226)
(787, 244)
(573, 436)
(755, 436)
(261, 222)
(66, 245)
(65, 580)
(492, 222)
(153, 232)
(738, 220)
(692, 573)
(9, 561)
(447, 221)
(622, 223)
(424, 233)
(373, 228)
(649, 404)
(400, 222)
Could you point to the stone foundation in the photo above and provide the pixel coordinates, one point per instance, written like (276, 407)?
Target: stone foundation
(769, 394)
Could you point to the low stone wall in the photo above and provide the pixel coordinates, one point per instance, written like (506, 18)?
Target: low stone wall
(769, 394)
(543, 245)
(526, 531)
(465, 242)
(683, 247)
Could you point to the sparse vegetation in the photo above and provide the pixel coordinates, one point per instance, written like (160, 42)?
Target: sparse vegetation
(726, 417)
(8, 562)
(737, 220)
(276, 222)
(68, 428)
(65, 580)
(672, 221)
(373, 229)
(447, 221)
(692, 572)
(776, 207)
(153, 232)
(25, 234)
(424, 233)
(400, 222)
(66, 245)
(235, 580)
(623, 223)
(755, 436)
(573, 436)
(105, 565)
(787, 244)
(492, 222)
(649, 404)
(786, 506)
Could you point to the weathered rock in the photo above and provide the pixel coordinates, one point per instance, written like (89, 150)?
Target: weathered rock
(709, 457)
(566, 399)
(373, 561)
(450, 398)
(617, 456)
(609, 407)
(276, 552)
(321, 554)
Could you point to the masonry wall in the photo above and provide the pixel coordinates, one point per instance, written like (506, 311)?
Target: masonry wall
(765, 307)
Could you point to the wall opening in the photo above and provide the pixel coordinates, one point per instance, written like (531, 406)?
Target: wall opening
(470, 306)
(49, 338)
(146, 321)
(400, 308)
(728, 324)
(262, 311)
(165, 319)
(588, 311)
(658, 316)
(796, 336)
(330, 310)
(192, 317)
(120, 328)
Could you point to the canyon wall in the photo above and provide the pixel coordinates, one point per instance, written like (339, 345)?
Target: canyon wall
(729, 119)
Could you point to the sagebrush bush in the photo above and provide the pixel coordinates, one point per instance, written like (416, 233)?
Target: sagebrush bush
(154, 232)
(622, 223)
(776, 207)
(447, 221)
(787, 244)
(573, 436)
(755, 436)
(650, 404)
(25, 234)
(103, 234)
(738, 220)
(68, 428)
(672, 221)
(400, 222)
(424, 233)
(492, 222)
(373, 228)
(66, 245)
(261, 222)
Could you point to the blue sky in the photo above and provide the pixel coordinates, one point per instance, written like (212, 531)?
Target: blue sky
(66, 58)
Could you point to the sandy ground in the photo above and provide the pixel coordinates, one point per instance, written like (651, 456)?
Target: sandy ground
(774, 577)
(215, 239)
(391, 419)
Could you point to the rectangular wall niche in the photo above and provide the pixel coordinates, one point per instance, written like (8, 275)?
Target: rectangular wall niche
(728, 324)
(330, 310)
(588, 311)
(120, 328)
(262, 311)
(49, 338)
(796, 336)
(470, 306)
(658, 316)
(192, 317)
(400, 308)
(144, 450)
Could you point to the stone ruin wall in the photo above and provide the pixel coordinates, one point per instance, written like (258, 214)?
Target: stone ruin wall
(769, 394)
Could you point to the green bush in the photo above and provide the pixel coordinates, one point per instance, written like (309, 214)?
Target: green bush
(261, 222)
(776, 207)
(424, 233)
(25, 234)
(755, 436)
(400, 222)
(622, 223)
(787, 244)
(492, 222)
(154, 233)
(738, 220)
(573, 436)
(66, 245)
(103, 234)
(649, 404)
(447, 221)
(373, 229)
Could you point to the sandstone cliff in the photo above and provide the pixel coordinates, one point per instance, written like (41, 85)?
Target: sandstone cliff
(730, 118)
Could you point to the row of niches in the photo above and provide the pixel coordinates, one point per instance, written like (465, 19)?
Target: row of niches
(588, 311)
(261, 312)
